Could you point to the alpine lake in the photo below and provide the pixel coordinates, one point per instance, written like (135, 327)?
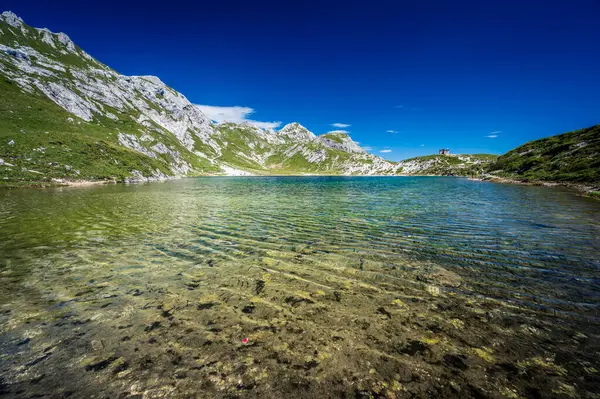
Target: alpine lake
(300, 287)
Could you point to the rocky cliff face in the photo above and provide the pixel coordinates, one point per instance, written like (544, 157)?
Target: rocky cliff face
(341, 141)
(296, 132)
(144, 127)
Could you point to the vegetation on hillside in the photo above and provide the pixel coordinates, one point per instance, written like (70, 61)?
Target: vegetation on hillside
(447, 165)
(41, 141)
(569, 157)
(140, 136)
(337, 137)
(245, 150)
(31, 37)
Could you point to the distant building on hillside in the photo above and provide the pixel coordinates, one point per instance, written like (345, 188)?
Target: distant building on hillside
(445, 151)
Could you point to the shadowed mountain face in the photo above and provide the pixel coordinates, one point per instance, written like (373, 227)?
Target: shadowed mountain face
(65, 114)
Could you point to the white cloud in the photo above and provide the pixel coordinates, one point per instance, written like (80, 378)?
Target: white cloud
(339, 131)
(391, 131)
(385, 151)
(399, 106)
(234, 114)
(493, 135)
(265, 125)
(340, 125)
(422, 145)
(368, 148)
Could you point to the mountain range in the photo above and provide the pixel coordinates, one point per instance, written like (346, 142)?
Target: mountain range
(65, 115)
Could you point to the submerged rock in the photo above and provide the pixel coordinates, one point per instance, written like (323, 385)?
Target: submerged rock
(99, 364)
(152, 326)
(413, 347)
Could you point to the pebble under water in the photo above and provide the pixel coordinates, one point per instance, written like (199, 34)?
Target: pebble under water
(310, 287)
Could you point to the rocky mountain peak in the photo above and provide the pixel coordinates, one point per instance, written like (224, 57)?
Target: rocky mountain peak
(12, 19)
(292, 126)
(142, 114)
(65, 40)
(65, 44)
(296, 131)
(341, 141)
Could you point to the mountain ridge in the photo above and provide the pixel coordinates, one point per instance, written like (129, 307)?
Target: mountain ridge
(142, 114)
(66, 115)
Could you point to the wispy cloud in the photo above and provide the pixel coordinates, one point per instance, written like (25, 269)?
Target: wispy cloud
(406, 107)
(234, 114)
(385, 151)
(493, 135)
(340, 125)
(339, 131)
(422, 145)
(368, 148)
(391, 131)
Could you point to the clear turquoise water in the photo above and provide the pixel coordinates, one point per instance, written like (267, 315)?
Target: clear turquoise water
(81, 253)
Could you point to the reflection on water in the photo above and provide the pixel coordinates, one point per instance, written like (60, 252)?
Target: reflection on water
(361, 287)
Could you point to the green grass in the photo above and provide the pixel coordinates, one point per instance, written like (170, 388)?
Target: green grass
(445, 165)
(335, 137)
(484, 157)
(569, 157)
(46, 145)
(237, 152)
(46, 142)
(424, 158)
(33, 39)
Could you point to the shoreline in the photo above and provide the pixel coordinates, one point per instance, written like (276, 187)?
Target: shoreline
(588, 190)
(54, 183)
(82, 183)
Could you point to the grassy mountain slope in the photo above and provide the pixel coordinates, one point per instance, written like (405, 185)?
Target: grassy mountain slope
(335, 137)
(64, 114)
(248, 148)
(43, 76)
(444, 165)
(569, 157)
(28, 36)
(90, 122)
(39, 141)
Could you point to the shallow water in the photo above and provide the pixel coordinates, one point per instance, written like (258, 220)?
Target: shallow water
(356, 287)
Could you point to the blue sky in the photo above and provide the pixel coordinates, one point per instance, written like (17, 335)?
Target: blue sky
(407, 77)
